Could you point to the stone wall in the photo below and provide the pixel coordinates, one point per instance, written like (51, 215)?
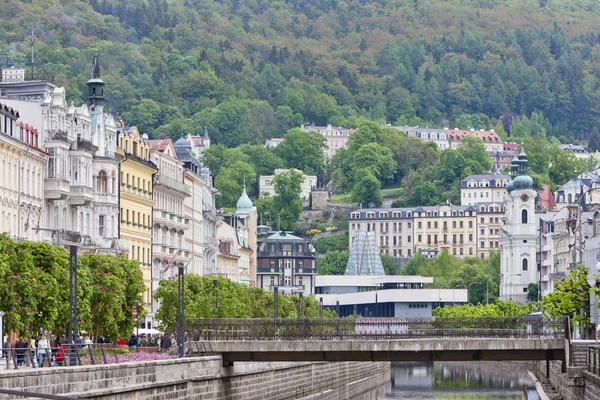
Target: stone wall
(200, 378)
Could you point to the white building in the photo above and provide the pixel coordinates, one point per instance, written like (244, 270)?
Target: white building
(170, 223)
(81, 179)
(383, 296)
(199, 143)
(267, 186)
(519, 239)
(200, 209)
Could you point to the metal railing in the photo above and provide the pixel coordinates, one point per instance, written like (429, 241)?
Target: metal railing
(299, 329)
(593, 360)
(63, 356)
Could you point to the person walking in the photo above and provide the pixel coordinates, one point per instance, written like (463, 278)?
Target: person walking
(32, 352)
(20, 349)
(43, 350)
(133, 341)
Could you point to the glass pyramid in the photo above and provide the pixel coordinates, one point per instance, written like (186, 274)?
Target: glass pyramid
(364, 255)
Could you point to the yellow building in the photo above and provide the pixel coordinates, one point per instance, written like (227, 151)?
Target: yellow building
(136, 203)
(449, 227)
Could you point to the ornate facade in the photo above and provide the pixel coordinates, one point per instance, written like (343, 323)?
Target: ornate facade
(81, 177)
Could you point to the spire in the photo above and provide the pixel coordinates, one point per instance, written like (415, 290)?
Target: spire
(206, 133)
(95, 66)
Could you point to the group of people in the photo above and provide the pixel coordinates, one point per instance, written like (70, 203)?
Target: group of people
(42, 351)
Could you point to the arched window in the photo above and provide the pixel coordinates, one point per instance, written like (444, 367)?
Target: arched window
(524, 216)
(102, 182)
(525, 264)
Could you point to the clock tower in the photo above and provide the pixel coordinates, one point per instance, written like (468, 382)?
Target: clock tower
(518, 244)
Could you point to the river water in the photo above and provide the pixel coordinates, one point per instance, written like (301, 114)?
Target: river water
(473, 381)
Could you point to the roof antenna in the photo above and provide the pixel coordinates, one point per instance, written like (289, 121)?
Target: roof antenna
(32, 42)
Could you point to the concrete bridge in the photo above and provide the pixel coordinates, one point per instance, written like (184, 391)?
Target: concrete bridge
(381, 339)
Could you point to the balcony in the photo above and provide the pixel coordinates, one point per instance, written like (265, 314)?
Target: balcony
(85, 145)
(58, 135)
(81, 195)
(106, 198)
(162, 217)
(56, 189)
(169, 183)
(167, 251)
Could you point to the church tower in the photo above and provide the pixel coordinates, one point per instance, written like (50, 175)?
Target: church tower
(518, 244)
(96, 105)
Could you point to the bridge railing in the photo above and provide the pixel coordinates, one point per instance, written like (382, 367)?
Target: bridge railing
(374, 328)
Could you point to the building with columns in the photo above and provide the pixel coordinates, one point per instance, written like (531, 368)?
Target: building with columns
(81, 193)
(170, 224)
(137, 203)
(519, 238)
(21, 177)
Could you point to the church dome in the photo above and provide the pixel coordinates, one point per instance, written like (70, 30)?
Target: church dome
(182, 143)
(523, 182)
(510, 186)
(244, 204)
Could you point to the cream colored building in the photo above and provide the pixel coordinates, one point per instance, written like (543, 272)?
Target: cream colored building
(393, 228)
(21, 177)
(449, 227)
(137, 202)
(490, 220)
(267, 185)
(484, 188)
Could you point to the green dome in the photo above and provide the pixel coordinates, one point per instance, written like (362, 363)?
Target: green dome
(523, 182)
(510, 186)
(244, 204)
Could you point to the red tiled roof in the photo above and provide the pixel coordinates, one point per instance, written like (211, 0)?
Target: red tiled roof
(486, 136)
(160, 144)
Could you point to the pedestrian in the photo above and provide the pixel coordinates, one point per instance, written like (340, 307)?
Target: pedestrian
(59, 358)
(32, 353)
(133, 342)
(88, 341)
(20, 349)
(43, 350)
(79, 342)
(6, 347)
(165, 343)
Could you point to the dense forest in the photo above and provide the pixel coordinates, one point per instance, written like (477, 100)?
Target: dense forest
(250, 70)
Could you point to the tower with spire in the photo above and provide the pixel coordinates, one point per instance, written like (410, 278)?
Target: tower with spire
(518, 244)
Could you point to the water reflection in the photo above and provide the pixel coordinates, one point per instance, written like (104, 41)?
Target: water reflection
(458, 381)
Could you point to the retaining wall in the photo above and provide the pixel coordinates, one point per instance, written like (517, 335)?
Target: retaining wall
(201, 378)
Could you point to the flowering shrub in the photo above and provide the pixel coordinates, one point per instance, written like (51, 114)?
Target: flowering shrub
(330, 228)
(313, 231)
(121, 358)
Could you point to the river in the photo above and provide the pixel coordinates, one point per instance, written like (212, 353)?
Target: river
(473, 381)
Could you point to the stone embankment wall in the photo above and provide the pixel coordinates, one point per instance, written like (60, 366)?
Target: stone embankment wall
(201, 378)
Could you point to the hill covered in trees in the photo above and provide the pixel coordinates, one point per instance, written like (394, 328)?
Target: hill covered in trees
(252, 69)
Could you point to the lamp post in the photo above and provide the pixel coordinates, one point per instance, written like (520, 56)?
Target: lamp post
(181, 311)
(275, 302)
(456, 287)
(2, 350)
(73, 312)
(472, 283)
(321, 310)
(216, 295)
(510, 289)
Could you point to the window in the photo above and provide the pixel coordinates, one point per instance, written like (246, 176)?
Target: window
(419, 238)
(101, 225)
(470, 224)
(102, 182)
(287, 249)
(524, 216)
(525, 266)
(461, 224)
(272, 281)
(461, 251)
(482, 245)
(408, 239)
(428, 225)
(470, 237)
(525, 290)
(435, 225)
(482, 220)
(419, 225)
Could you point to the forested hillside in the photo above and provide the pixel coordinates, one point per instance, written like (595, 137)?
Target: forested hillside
(252, 69)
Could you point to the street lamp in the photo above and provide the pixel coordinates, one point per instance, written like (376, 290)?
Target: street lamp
(472, 283)
(456, 287)
(510, 289)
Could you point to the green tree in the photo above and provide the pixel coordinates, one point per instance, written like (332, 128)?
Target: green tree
(367, 190)
(287, 202)
(565, 165)
(570, 296)
(334, 263)
(230, 182)
(376, 159)
(423, 194)
(389, 266)
(474, 152)
(412, 267)
(302, 150)
(594, 143)
(532, 291)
